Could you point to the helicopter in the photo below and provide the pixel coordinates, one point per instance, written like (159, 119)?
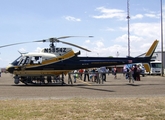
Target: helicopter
(53, 62)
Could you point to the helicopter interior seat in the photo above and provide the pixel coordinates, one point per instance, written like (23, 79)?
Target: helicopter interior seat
(31, 62)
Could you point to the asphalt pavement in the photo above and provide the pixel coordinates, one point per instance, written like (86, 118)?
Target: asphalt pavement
(149, 86)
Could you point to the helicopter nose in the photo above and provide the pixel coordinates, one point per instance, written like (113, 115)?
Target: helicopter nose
(10, 68)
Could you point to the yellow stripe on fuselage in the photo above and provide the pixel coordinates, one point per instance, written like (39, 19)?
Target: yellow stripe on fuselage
(65, 56)
(53, 60)
(152, 48)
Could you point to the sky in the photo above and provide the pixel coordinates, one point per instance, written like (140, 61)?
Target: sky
(30, 20)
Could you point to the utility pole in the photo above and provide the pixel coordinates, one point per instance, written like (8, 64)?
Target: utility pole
(162, 73)
(128, 17)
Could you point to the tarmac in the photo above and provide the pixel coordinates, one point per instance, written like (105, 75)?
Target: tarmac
(149, 86)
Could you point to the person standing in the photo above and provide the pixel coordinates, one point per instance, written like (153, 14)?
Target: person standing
(138, 73)
(80, 73)
(75, 75)
(129, 72)
(115, 72)
(103, 73)
(86, 74)
(135, 72)
(93, 75)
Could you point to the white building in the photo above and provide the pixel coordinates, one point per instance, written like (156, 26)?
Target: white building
(157, 56)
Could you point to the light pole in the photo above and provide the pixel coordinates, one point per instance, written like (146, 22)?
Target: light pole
(128, 17)
(162, 73)
(117, 54)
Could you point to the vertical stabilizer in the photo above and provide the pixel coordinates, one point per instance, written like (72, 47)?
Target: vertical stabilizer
(152, 49)
(147, 67)
(149, 54)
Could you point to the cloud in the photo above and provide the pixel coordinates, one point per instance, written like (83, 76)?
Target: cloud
(121, 14)
(123, 38)
(148, 30)
(106, 51)
(152, 15)
(87, 41)
(138, 16)
(123, 28)
(70, 18)
(141, 37)
(133, 38)
(99, 44)
(110, 13)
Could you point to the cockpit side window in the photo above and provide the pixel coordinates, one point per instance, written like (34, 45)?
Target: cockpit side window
(36, 60)
(27, 60)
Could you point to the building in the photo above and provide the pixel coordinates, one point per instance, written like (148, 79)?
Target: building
(157, 56)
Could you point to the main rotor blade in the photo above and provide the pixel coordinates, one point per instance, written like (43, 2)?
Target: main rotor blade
(52, 40)
(71, 36)
(22, 43)
(13, 44)
(57, 39)
(75, 46)
(46, 40)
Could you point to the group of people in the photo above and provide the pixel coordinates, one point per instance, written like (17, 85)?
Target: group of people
(91, 75)
(133, 73)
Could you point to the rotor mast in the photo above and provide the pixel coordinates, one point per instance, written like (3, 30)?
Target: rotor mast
(52, 47)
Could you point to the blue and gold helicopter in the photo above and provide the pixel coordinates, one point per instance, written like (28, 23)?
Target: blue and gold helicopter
(55, 61)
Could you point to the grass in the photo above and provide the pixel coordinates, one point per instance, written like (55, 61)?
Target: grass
(84, 109)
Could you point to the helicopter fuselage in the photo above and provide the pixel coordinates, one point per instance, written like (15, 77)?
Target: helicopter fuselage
(63, 60)
(36, 64)
(50, 63)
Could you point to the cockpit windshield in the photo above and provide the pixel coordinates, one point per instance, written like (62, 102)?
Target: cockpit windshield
(15, 62)
(23, 60)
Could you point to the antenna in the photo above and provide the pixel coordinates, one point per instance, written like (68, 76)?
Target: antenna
(128, 17)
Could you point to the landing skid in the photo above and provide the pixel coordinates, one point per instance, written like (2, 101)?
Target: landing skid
(41, 80)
